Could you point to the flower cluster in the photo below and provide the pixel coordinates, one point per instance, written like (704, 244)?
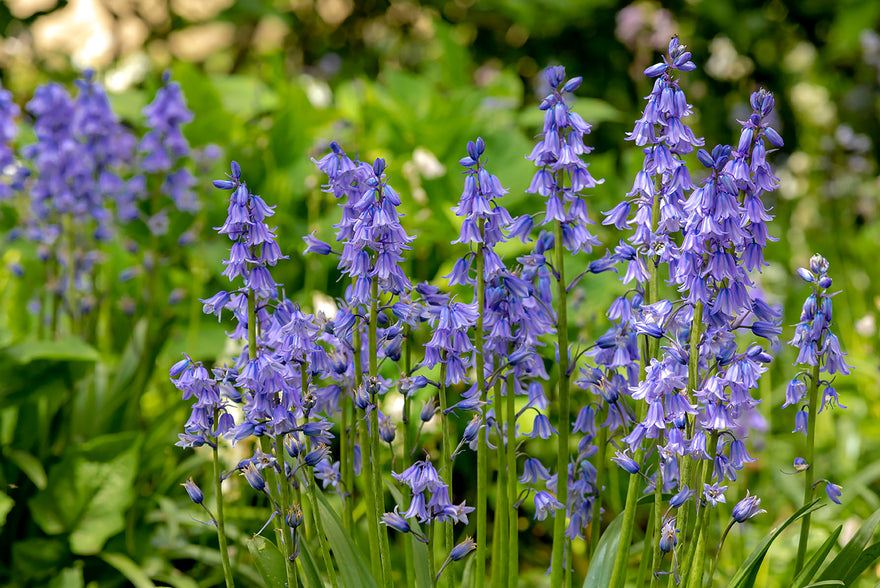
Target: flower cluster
(817, 346)
(558, 154)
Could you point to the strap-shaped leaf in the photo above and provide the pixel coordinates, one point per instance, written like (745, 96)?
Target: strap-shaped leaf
(841, 566)
(811, 568)
(311, 576)
(867, 557)
(353, 570)
(748, 571)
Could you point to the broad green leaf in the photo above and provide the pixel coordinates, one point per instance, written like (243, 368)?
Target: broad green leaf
(29, 464)
(840, 566)
(307, 566)
(748, 571)
(246, 96)
(269, 561)
(132, 572)
(69, 349)
(69, 577)
(6, 505)
(602, 563)
(38, 559)
(353, 570)
(89, 491)
(816, 560)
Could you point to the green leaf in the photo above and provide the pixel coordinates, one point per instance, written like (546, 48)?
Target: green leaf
(269, 561)
(867, 557)
(353, 570)
(816, 560)
(602, 563)
(6, 505)
(89, 491)
(132, 572)
(69, 577)
(420, 550)
(69, 349)
(841, 566)
(28, 464)
(309, 570)
(748, 571)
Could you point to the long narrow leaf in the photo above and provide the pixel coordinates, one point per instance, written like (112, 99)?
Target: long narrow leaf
(353, 570)
(840, 566)
(132, 572)
(311, 577)
(815, 562)
(602, 564)
(867, 557)
(748, 571)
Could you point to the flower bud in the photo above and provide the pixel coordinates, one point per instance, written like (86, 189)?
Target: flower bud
(194, 491)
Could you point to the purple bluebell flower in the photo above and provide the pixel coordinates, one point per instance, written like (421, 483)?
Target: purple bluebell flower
(545, 504)
(833, 491)
(195, 493)
(461, 550)
(668, 535)
(747, 508)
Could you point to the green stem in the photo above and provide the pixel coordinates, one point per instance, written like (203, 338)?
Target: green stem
(409, 554)
(500, 570)
(596, 523)
(810, 474)
(564, 428)
(482, 457)
(695, 572)
(718, 552)
(446, 538)
(287, 543)
(658, 523)
(513, 513)
(647, 561)
(221, 524)
(431, 560)
(373, 342)
(346, 458)
(367, 465)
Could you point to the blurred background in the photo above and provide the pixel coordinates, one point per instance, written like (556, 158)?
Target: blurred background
(272, 83)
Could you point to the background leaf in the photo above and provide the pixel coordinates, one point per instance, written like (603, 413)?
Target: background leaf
(602, 563)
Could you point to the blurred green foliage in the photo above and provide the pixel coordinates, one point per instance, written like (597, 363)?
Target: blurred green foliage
(89, 495)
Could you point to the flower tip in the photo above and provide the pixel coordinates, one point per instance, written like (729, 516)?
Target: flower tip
(236, 171)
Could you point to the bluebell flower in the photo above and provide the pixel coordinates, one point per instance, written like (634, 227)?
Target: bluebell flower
(195, 493)
(668, 535)
(834, 492)
(545, 504)
(626, 463)
(713, 494)
(254, 477)
(461, 550)
(394, 521)
(747, 508)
